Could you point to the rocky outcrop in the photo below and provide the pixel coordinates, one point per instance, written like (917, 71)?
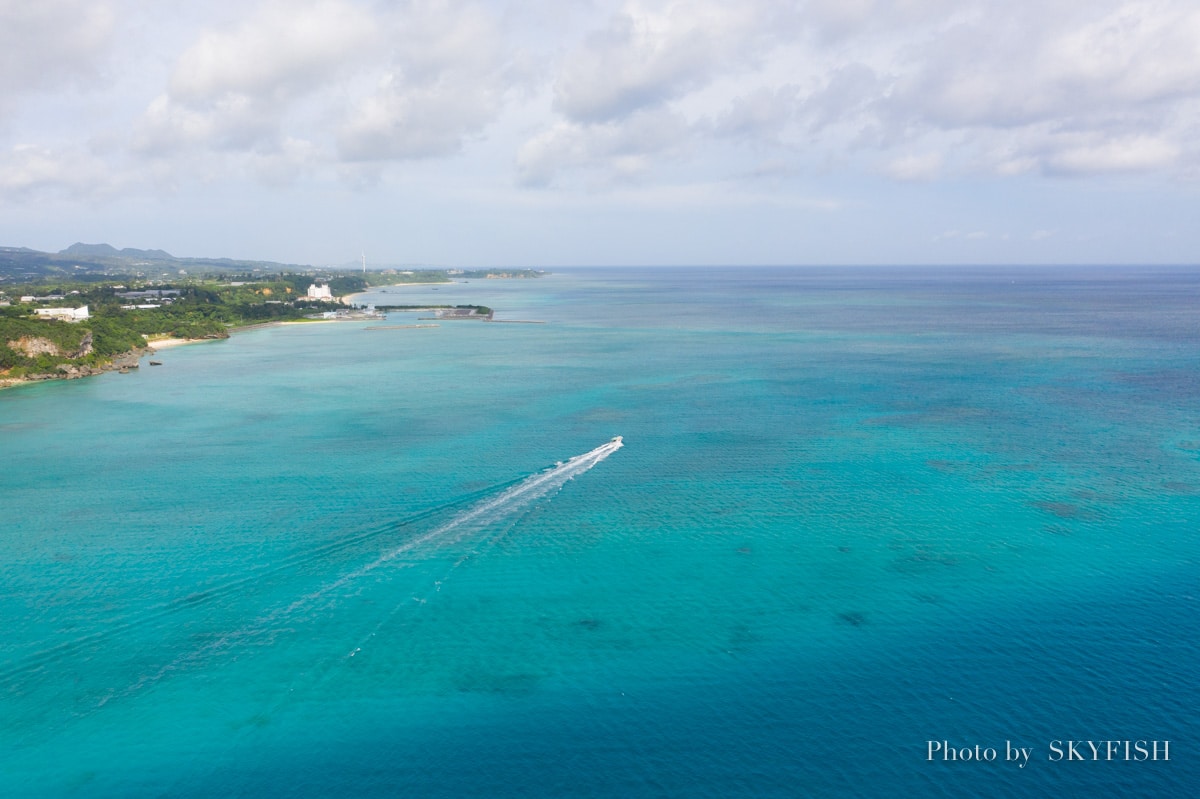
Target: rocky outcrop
(33, 346)
(128, 360)
(85, 347)
(70, 371)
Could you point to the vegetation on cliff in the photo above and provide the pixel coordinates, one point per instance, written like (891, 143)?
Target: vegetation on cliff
(33, 347)
(125, 317)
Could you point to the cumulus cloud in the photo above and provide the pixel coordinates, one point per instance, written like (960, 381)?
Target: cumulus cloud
(44, 43)
(450, 71)
(1049, 88)
(1104, 154)
(1061, 89)
(1006, 69)
(847, 92)
(30, 169)
(47, 44)
(922, 167)
(337, 80)
(283, 50)
(281, 166)
(234, 86)
(618, 91)
(651, 53)
(764, 113)
(840, 20)
(625, 150)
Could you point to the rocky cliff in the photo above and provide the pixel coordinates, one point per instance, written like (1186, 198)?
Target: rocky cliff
(33, 346)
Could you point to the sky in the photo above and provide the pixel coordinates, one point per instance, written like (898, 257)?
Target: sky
(548, 133)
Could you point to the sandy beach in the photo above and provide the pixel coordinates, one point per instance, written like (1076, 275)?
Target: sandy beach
(166, 343)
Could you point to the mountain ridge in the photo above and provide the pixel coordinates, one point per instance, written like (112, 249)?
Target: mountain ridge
(82, 261)
(105, 250)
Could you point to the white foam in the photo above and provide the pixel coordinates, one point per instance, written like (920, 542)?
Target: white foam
(513, 499)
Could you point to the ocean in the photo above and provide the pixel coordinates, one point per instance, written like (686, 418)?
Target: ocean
(866, 532)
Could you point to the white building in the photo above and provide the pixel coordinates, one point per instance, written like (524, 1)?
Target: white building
(316, 292)
(65, 314)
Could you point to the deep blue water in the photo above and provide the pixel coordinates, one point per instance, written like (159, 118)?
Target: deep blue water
(856, 511)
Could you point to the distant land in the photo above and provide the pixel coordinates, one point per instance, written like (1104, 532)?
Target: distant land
(92, 308)
(81, 250)
(97, 262)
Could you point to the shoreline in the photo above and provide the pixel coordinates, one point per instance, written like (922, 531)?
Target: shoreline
(349, 299)
(127, 361)
(168, 343)
(123, 363)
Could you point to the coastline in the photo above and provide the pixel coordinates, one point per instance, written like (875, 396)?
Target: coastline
(126, 361)
(167, 343)
(130, 360)
(123, 363)
(350, 299)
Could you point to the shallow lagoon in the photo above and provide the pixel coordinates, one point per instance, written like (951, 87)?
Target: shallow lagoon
(856, 510)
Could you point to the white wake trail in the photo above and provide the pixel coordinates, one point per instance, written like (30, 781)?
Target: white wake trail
(512, 500)
(471, 522)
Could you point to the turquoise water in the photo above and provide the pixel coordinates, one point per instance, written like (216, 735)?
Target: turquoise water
(854, 511)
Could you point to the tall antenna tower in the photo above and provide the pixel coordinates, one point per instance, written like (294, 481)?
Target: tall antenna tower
(364, 263)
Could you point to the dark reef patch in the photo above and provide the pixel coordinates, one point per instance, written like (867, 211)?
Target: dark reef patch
(521, 684)
(1063, 510)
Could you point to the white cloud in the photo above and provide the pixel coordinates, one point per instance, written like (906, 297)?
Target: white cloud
(624, 150)
(281, 166)
(1140, 52)
(922, 167)
(282, 51)
(661, 99)
(621, 92)
(1061, 88)
(762, 114)
(847, 92)
(838, 21)
(1021, 64)
(1049, 149)
(1124, 154)
(1010, 90)
(50, 41)
(651, 53)
(27, 170)
(230, 122)
(451, 71)
(925, 88)
(235, 87)
(353, 80)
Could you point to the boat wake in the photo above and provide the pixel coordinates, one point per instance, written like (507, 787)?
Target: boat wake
(481, 520)
(466, 524)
